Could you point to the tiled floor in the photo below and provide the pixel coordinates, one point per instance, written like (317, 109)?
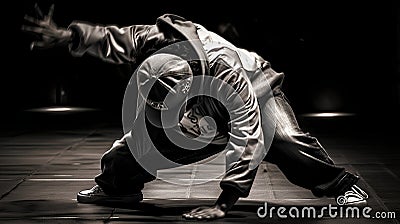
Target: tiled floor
(42, 169)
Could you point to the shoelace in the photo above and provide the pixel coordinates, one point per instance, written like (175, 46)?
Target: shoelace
(96, 189)
(359, 191)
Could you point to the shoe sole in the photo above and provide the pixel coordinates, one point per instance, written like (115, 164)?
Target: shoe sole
(126, 199)
(362, 203)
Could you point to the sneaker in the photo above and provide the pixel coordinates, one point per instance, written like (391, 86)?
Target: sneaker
(96, 195)
(354, 196)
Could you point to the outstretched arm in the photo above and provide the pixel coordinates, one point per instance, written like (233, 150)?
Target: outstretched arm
(109, 43)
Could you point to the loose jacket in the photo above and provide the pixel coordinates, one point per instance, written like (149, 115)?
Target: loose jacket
(251, 124)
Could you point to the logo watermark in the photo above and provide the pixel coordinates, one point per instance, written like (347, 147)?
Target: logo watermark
(329, 211)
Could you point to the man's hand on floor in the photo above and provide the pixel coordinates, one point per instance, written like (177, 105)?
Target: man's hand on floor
(205, 213)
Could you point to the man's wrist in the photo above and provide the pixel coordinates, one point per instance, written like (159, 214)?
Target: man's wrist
(74, 38)
(226, 200)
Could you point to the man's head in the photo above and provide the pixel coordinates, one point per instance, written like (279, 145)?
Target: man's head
(164, 81)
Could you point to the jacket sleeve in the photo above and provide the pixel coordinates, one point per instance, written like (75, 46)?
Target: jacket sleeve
(111, 43)
(245, 149)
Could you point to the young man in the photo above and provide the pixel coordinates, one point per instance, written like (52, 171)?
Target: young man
(186, 75)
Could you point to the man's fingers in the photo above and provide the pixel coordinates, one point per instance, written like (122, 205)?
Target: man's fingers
(192, 213)
(202, 217)
(203, 213)
(30, 19)
(37, 30)
(198, 209)
(33, 20)
(199, 214)
(37, 44)
(201, 208)
(32, 29)
(50, 14)
(33, 45)
(188, 216)
(38, 11)
(40, 44)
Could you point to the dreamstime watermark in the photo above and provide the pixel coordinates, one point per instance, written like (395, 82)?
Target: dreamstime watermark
(329, 211)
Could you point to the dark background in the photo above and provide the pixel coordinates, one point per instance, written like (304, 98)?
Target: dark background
(338, 56)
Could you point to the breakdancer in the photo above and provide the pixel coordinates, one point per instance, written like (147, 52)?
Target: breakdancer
(194, 84)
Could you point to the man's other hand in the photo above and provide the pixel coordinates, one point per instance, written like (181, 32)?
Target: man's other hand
(205, 213)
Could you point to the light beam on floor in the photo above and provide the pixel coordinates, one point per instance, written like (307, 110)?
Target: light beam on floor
(328, 114)
(60, 109)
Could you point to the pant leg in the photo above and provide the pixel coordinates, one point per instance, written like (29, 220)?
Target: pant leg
(302, 158)
(120, 173)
